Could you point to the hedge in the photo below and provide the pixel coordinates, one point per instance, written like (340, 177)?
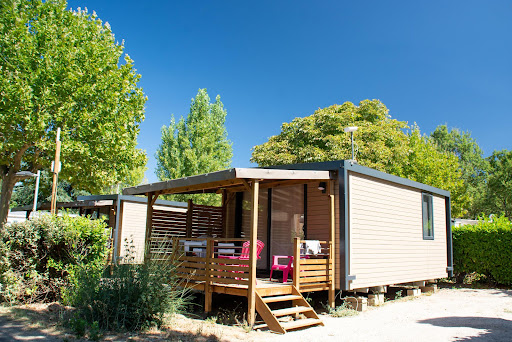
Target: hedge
(40, 257)
(484, 248)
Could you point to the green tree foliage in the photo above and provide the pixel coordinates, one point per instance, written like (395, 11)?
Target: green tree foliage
(473, 165)
(426, 164)
(62, 68)
(499, 184)
(24, 192)
(381, 142)
(134, 177)
(196, 145)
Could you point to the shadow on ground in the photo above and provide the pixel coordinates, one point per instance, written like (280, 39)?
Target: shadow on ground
(22, 329)
(493, 329)
(27, 324)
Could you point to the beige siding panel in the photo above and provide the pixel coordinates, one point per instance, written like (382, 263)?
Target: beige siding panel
(386, 238)
(133, 230)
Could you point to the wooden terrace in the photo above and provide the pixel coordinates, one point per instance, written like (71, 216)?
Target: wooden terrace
(206, 267)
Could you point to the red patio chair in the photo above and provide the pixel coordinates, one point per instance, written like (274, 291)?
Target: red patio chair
(245, 253)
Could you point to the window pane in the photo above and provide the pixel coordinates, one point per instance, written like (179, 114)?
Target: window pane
(428, 220)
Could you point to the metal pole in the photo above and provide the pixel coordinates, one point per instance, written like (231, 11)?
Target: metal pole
(36, 192)
(352, 141)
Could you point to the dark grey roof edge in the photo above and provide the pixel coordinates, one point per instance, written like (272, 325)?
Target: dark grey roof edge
(25, 208)
(354, 167)
(181, 182)
(114, 197)
(326, 165)
(392, 178)
(131, 198)
(97, 197)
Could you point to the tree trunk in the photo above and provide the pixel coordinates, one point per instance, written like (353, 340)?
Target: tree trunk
(8, 182)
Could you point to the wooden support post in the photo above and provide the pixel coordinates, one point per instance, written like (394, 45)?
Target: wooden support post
(190, 213)
(149, 224)
(208, 281)
(332, 245)
(56, 170)
(251, 293)
(296, 263)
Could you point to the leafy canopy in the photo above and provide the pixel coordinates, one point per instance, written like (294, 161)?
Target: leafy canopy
(196, 145)
(499, 186)
(473, 165)
(381, 142)
(63, 68)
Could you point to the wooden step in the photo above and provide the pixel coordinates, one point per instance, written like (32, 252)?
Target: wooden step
(290, 311)
(274, 290)
(260, 326)
(300, 323)
(280, 298)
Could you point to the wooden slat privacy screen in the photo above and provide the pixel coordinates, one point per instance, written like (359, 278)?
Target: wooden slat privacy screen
(205, 221)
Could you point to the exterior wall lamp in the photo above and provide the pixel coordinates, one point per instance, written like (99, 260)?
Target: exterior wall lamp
(351, 129)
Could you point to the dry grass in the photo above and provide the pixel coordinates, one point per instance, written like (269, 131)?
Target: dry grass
(48, 319)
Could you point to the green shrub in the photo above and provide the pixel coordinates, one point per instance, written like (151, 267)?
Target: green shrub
(130, 296)
(40, 257)
(344, 310)
(484, 248)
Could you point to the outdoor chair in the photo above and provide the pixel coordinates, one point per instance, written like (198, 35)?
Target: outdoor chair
(281, 267)
(244, 255)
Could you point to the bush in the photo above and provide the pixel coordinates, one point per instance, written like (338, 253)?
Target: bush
(484, 248)
(129, 296)
(40, 257)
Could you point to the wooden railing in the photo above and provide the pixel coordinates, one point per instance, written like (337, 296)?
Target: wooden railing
(208, 260)
(314, 272)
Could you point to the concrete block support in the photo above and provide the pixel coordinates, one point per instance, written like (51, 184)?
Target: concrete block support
(429, 288)
(414, 292)
(376, 299)
(357, 303)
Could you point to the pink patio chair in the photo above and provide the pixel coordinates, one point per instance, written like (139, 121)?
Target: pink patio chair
(281, 267)
(244, 255)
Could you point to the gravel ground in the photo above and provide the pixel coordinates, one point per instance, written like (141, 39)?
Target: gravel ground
(448, 315)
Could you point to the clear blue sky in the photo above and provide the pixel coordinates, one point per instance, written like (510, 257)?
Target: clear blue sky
(429, 62)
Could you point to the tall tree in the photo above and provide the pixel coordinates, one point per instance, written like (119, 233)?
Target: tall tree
(381, 141)
(63, 68)
(426, 164)
(473, 165)
(196, 145)
(499, 185)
